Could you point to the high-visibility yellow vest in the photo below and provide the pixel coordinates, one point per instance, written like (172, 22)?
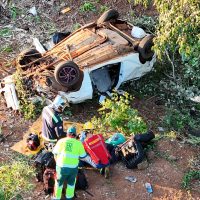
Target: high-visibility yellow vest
(68, 151)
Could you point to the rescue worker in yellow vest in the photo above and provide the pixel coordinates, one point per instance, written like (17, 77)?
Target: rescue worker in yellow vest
(52, 123)
(67, 153)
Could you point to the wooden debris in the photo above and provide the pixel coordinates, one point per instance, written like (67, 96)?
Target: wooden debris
(65, 10)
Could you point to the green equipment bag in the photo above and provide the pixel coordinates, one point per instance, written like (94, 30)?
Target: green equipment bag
(116, 139)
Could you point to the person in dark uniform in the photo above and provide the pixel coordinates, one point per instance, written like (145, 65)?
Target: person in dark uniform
(52, 123)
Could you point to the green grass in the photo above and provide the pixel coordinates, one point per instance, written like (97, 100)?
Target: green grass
(188, 177)
(87, 6)
(7, 49)
(103, 8)
(75, 27)
(193, 140)
(15, 178)
(5, 32)
(15, 12)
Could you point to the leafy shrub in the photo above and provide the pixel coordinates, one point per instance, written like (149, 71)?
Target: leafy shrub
(117, 115)
(15, 178)
(180, 120)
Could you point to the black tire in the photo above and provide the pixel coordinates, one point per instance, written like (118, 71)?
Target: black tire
(67, 74)
(144, 48)
(107, 16)
(28, 56)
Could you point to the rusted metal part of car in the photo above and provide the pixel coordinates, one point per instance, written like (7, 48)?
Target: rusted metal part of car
(69, 49)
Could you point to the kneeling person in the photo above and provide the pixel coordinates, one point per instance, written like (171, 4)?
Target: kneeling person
(96, 148)
(52, 123)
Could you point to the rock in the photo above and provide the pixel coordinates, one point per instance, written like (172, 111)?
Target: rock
(150, 155)
(173, 158)
(33, 11)
(143, 165)
(161, 129)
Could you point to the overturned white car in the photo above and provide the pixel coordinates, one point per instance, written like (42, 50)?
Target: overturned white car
(99, 56)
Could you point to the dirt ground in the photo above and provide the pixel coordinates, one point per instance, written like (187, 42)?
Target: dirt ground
(164, 174)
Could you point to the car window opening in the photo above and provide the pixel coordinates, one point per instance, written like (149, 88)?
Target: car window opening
(105, 78)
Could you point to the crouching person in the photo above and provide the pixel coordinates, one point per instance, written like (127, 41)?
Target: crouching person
(67, 153)
(98, 156)
(52, 123)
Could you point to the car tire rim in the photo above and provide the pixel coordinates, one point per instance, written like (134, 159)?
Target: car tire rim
(68, 74)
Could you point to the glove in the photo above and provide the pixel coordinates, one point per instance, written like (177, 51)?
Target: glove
(82, 136)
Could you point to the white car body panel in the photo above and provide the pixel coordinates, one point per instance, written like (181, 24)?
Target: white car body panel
(10, 93)
(84, 93)
(131, 68)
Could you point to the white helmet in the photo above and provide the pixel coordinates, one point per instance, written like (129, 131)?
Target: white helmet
(59, 103)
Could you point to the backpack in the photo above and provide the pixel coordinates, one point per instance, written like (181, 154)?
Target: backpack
(33, 141)
(49, 180)
(81, 181)
(43, 160)
(131, 153)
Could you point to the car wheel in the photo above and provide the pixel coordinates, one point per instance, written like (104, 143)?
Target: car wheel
(67, 74)
(28, 56)
(108, 15)
(144, 48)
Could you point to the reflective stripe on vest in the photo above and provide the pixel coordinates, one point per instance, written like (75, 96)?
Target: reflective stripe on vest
(52, 114)
(68, 155)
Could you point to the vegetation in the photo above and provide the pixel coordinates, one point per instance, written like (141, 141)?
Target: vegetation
(6, 49)
(87, 6)
(118, 115)
(177, 45)
(180, 121)
(146, 22)
(15, 12)
(14, 180)
(189, 176)
(178, 39)
(76, 26)
(145, 3)
(5, 32)
(29, 109)
(103, 8)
